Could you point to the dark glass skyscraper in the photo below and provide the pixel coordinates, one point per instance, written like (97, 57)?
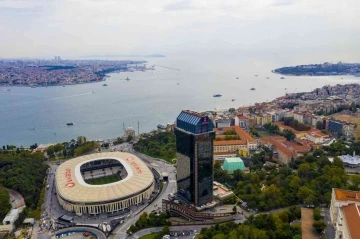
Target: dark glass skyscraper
(194, 144)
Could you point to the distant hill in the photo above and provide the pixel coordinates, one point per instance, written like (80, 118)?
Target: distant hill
(155, 55)
(325, 69)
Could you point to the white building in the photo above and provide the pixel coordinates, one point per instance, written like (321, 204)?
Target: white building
(345, 213)
(129, 131)
(11, 217)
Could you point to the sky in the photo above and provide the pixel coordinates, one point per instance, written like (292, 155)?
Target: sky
(75, 28)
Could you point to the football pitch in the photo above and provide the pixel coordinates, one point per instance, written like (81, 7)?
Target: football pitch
(104, 180)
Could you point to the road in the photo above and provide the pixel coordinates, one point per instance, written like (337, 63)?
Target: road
(329, 231)
(16, 199)
(169, 187)
(96, 232)
(147, 231)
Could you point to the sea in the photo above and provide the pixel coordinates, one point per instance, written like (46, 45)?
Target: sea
(39, 115)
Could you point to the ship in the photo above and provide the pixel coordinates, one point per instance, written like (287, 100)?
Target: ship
(104, 85)
(70, 123)
(252, 88)
(217, 95)
(161, 126)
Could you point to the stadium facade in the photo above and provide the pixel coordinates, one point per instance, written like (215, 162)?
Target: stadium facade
(76, 195)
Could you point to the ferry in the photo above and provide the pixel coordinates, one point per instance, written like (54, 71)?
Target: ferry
(161, 126)
(252, 88)
(217, 95)
(70, 123)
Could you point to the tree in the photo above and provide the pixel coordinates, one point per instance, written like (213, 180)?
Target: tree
(50, 151)
(319, 226)
(166, 230)
(288, 134)
(353, 107)
(319, 125)
(316, 214)
(58, 147)
(129, 138)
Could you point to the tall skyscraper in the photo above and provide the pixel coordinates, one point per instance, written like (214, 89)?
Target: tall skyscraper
(194, 145)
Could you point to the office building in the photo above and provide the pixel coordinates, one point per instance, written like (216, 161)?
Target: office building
(194, 144)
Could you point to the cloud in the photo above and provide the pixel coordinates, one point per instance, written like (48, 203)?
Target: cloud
(178, 6)
(277, 3)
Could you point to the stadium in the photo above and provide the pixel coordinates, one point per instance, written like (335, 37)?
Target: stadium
(103, 183)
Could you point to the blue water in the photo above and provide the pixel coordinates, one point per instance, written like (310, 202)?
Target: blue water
(151, 97)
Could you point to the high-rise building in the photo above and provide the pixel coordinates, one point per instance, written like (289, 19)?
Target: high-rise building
(194, 145)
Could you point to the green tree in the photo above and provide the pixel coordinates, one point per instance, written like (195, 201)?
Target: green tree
(166, 230)
(58, 147)
(50, 151)
(319, 226)
(319, 125)
(5, 205)
(288, 134)
(316, 214)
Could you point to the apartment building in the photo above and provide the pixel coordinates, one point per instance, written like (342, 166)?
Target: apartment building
(345, 213)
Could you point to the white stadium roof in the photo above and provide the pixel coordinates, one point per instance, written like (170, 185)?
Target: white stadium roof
(72, 187)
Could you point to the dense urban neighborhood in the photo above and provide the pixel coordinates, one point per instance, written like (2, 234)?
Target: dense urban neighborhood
(274, 170)
(41, 72)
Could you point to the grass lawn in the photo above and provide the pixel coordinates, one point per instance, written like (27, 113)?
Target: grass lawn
(351, 119)
(103, 180)
(149, 236)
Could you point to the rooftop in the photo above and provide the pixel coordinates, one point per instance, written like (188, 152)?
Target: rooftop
(352, 215)
(229, 142)
(350, 159)
(347, 195)
(232, 164)
(72, 187)
(194, 122)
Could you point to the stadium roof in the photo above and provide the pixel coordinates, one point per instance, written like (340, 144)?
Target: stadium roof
(72, 187)
(350, 159)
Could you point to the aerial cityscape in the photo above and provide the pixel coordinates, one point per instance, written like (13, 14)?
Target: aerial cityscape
(179, 120)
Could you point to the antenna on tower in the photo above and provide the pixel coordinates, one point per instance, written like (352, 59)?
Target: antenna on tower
(138, 128)
(124, 126)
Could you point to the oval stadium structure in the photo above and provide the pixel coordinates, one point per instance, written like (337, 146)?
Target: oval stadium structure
(103, 183)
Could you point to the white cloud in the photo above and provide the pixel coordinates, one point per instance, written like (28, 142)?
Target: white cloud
(78, 27)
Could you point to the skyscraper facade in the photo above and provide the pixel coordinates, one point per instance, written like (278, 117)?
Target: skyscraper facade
(194, 143)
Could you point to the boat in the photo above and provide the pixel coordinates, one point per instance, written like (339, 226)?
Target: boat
(282, 77)
(237, 78)
(127, 78)
(32, 128)
(92, 92)
(33, 86)
(161, 126)
(267, 77)
(8, 89)
(178, 83)
(104, 85)
(63, 86)
(252, 88)
(256, 75)
(70, 123)
(233, 100)
(217, 95)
